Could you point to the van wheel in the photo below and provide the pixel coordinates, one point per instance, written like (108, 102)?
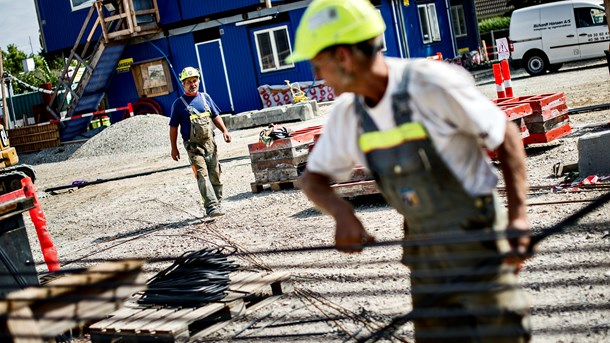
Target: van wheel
(553, 68)
(535, 64)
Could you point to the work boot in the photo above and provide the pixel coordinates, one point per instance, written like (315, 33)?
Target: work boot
(215, 212)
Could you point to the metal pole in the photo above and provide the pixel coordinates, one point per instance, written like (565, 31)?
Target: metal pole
(4, 104)
(493, 45)
(10, 96)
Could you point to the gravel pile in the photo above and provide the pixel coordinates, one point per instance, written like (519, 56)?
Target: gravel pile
(138, 134)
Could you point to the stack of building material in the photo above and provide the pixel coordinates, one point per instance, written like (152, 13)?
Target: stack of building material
(276, 165)
(34, 138)
(549, 119)
(517, 113)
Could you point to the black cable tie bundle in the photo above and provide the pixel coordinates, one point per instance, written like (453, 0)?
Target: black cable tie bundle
(194, 279)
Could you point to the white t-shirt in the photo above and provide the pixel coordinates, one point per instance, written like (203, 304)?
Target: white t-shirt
(459, 119)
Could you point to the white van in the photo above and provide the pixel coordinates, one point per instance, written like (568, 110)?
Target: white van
(546, 36)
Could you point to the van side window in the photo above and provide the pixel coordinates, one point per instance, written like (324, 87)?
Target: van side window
(586, 17)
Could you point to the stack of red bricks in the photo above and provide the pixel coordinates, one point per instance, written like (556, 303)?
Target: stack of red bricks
(277, 165)
(547, 121)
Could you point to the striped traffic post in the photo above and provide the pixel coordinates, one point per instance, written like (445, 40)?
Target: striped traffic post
(508, 86)
(498, 77)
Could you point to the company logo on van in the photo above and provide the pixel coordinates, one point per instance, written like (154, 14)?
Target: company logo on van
(552, 25)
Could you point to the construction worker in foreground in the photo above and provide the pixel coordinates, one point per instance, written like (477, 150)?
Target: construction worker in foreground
(194, 112)
(419, 127)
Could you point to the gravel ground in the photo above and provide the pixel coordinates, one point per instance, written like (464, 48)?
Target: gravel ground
(336, 296)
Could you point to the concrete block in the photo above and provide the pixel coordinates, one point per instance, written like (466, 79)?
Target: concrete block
(302, 111)
(594, 153)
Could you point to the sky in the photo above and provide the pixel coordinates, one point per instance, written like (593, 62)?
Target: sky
(18, 23)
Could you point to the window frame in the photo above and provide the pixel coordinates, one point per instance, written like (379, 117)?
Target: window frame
(271, 32)
(460, 20)
(431, 20)
(580, 10)
(85, 4)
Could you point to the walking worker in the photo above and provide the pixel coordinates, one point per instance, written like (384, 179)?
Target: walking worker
(419, 126)
(194, 112)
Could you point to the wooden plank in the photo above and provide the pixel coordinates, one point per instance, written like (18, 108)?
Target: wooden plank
(147, 317)
(23, 328)
(178, 322)
(115, 317)
(351, 189)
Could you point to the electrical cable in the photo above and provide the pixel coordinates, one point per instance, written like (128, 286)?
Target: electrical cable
(194, 279)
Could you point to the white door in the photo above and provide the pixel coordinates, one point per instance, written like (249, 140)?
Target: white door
(559, 33)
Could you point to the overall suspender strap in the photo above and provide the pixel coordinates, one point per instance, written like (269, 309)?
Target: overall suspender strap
(193, 111)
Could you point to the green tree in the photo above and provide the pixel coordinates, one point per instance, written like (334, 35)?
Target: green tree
(12, 60)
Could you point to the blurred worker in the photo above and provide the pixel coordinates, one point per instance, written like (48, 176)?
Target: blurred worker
(194, 113)
(419, 127)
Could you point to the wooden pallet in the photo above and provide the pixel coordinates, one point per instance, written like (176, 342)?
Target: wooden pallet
(38, 314)
(247, 293)
(279, 185)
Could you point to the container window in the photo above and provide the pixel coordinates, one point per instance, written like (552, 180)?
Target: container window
(78, 4)
(458, 20)
(429, 23)
(273, 46)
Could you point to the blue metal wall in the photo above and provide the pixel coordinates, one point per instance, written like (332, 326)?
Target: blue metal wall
(60, 25)
(417, 48)
(241, 68)
(192, 9)
(123, 90)
(169, 11)
(471, 41)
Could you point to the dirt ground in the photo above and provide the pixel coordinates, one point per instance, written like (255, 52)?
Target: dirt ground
(336, 297)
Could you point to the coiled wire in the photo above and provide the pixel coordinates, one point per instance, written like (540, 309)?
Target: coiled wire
(194, 279)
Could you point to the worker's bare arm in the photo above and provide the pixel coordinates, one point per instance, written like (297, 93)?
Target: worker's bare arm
(221, 126)
(511, 156)
(349, 231)
(173, 137)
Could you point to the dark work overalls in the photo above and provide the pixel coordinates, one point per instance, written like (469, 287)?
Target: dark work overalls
(461, 291)
(203, 154)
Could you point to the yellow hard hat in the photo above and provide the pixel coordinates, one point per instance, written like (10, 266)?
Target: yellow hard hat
(188, 72)
(331, 22)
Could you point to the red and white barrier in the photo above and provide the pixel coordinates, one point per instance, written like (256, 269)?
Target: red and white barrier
(499, 82)
(508, 85)
(129, 108)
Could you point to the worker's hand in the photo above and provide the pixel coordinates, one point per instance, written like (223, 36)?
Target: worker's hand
(350, 234)
(175, 154)
(518, 233)
(227, 136)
